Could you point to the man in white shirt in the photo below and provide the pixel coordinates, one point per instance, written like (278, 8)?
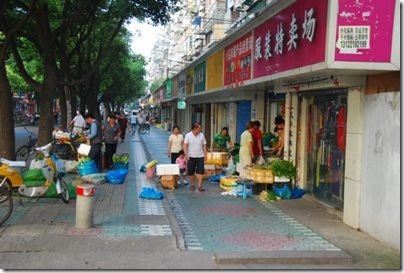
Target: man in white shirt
(78, 123)
(195, 151)
(133, 122)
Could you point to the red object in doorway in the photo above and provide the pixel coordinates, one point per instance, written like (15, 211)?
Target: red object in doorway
(341, 128)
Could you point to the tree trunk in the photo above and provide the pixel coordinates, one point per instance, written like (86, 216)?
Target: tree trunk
(7, 135)
(63, 107)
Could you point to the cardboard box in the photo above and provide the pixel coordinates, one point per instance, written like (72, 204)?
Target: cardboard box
(168, 169)
(169, 181)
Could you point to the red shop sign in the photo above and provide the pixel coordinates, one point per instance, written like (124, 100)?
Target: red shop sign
(237, 60)
(294, 37)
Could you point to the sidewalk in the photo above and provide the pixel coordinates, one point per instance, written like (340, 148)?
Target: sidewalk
(185, 230)
(237, 230)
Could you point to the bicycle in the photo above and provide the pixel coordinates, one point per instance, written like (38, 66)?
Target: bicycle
(26, 150)
(144, 128)
(6, 205)
(11, 178)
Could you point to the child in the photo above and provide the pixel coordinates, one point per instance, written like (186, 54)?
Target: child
(182, 162)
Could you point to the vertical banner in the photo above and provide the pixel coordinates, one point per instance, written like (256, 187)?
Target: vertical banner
(169, 84)
(181, 85)
(189, 83)
(199, 77)
(214, 71)
(237, 60)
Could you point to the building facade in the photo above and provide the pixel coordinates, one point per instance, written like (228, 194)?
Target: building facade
(332, 70)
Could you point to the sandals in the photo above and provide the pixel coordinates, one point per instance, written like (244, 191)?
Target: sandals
(192, 188)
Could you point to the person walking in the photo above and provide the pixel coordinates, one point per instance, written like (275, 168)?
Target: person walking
(175, 143)
(246, 150)
(182, 164)
(257, 141)
(195, 151)
(95, 139)
(133, 122)
(111, 132)
(78, 123)
(123, 124)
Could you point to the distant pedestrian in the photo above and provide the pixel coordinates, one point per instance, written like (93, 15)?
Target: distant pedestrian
(123, 124)
(246, 154)
(133, 122)
(95, 138)
(175, 143)
(78, 123)
(195, 151)
(111, 134)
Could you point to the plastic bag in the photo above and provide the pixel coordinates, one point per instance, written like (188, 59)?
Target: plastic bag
(143, 168)
(283, 192)
(96, 178)
(87, 167)
(33, 174)
(116, 176)
(151, 193)
(260, 160)
(60, 166)
(71, 166)
(37, 164)
(118, 166)
(297, 192)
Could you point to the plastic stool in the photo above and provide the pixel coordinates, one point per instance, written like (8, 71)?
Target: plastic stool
(244, 188)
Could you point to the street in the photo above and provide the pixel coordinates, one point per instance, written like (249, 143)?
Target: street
(185, 230)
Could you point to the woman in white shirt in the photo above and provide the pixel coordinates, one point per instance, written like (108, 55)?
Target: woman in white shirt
(175, 142)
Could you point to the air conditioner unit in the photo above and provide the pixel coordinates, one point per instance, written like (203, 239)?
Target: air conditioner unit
(239, 8)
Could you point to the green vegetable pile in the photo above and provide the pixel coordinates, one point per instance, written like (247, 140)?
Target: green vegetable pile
(120, 159)
(84, 159)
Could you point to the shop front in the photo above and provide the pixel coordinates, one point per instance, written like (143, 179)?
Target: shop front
(325, 145)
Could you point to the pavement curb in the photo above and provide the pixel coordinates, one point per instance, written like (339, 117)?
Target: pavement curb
(283, 257)
(179, 236)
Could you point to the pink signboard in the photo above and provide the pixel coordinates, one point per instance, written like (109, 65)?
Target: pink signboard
(364, 30)
(237, 60)
(292, 38)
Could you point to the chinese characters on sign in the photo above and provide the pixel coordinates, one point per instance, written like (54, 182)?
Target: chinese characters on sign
(308, 27)
(238, 60)
(292, 38)
(354, 37)
(364, 30)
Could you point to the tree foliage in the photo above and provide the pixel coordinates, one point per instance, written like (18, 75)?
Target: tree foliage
(76, 48)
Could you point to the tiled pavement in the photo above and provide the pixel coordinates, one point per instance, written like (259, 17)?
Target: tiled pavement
(212, 222)
(207, 221)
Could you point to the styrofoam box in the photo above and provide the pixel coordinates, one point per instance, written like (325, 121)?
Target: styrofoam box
(168, 169)
(209, 166)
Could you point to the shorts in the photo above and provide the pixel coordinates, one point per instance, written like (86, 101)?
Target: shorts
(195, 165)
(182, 171)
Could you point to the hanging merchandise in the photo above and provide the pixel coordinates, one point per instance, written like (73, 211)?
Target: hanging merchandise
(341, 128)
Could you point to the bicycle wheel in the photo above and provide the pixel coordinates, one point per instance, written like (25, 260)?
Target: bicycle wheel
(22, 153)
(6, 205)
(5, 183)
(64, 195)
(142, 130)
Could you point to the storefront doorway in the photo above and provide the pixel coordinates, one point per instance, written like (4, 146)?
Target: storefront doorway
(326, 138)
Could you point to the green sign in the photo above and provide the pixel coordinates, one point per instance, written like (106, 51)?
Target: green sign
(181, 104)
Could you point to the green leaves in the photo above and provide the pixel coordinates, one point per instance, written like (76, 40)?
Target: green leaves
(283, 168)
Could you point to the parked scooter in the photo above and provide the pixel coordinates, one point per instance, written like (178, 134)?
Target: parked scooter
(12, 178)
